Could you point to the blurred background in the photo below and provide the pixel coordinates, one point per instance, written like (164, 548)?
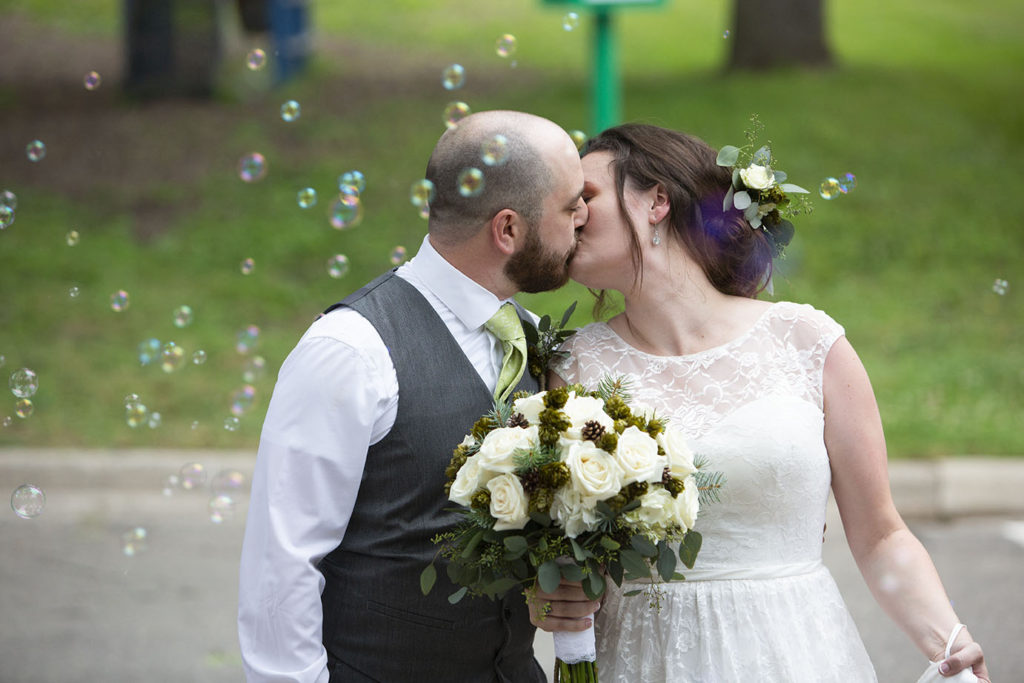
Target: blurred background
(176, 209)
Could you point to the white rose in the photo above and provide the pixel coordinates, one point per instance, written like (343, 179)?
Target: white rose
(757, 177)
(680, 457)
(468, 440)
(642, 410)
(687, 504)
(656, 511)
(530, 407)
(575, 513)
(637, 455)
(508, 502)
(594, 473)
(467, 482)
(583, 409)
(498, 450)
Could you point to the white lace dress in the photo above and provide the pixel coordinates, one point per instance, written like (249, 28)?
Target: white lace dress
(758, 605)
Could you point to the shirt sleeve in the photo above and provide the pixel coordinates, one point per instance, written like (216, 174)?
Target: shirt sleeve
(331, 401)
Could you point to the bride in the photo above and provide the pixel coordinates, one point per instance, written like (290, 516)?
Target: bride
(771, 394)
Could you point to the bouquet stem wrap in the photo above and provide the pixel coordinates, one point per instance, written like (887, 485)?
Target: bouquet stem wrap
(575, 652)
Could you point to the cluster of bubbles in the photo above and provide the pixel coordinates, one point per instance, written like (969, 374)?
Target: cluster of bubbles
(833, 187)
(455, 112)
(247, 339)
(505, 46)
(252, 167)
(471, 182)
(134, 541)
(172, 357)
(256, 59)
(247, 266)
(571, 21)
(290, 111)
(453, 77)
(1000, 286)
(254, 369)
(306, 198)
(72, 238)
(352, 182)
(135, 412)
(224, 486)
(23, 384)
(8, 203)
(337, 266)
(242, 400)
(35, 150)
(28, 501)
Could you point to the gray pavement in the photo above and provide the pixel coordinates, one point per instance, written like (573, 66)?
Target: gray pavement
(77, 609)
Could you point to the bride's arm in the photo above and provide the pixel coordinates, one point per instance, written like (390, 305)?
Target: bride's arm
(895, 565)
(554, 381)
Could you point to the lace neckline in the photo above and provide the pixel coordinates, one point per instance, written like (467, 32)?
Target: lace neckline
(710, 351)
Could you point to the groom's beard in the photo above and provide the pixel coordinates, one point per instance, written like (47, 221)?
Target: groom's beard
(536, 269)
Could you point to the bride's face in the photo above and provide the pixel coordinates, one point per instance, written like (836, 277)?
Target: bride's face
(603, 254)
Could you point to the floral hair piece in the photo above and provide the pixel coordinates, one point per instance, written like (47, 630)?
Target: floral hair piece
(759, 191)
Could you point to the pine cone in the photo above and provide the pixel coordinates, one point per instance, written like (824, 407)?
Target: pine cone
(592, 430)
(530, 481)
(518, 420)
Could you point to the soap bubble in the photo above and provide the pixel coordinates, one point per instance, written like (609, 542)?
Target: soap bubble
(424, 212)
(171, 483)
(227, 482)
(471, 182)
(241, 400)
(725, 34)
(252, 167)
(453, 77)
(847, 183)
(397, 255)
(9, 199)
(195, 425)
(24, 408)
(494, 150)
(829, 188)
(28, 501)
(92, 80)
(74, 291)
(148, 351)
(248, 265)
(306, 198)
(8, 421)
(192, 476)
(72, 238)
(505, 46)
(455, 112)
(337, 266)
(346, 212)
(134, 541)
(221, 507)
(256, 59)
(247, 339)
(570, 21)
(579, 138)
(182, 316)
(254, 369)
(135, 414)
(35, 150)
(232, 423)
(1000, 287)
(290, 111)
(23, 383)
(199, 357)
(355, 181)
(421, 193)
(119, 301)
(172, 357)
(131, 398)
(6, 217)
(155, 420)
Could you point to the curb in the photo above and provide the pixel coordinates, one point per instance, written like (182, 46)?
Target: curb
(948, 487)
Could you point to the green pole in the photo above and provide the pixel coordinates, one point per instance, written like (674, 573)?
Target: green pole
(605, 89)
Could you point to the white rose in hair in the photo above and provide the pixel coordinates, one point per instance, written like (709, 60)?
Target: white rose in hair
(467, 481)
(594, 473)
(497, 452)
(583, 409)
(574, 512)
(508, 502)
(757, 177)
(680, 457)
(530, 407)
(637, 455)
(687, 504)
(656, 511)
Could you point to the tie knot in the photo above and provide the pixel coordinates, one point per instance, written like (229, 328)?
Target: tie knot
(505, 324)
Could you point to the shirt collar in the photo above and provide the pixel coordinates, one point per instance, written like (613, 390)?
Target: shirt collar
(469, 301)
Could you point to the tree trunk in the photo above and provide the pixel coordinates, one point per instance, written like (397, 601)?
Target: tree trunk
(773, 33)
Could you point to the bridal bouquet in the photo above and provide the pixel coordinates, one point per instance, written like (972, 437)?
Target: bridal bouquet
(574, 484)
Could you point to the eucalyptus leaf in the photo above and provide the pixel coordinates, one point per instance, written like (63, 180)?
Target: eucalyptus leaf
(454, 571)
(549, 576)
(643, 545)
(632, 593)
(593, 587)
(689, 548)
(568, 314)
(542, 518)
(516, 543)
(427, 579)
(789, 187)
(457, 595)
(633, 562)
(779, 176)
(530, 332)
(727, 202)
(678, 577)
(666, 563)
(545, 323)
(577, 550)
(500, 586)
(610, 543)
(631, 505)
(762, 157)
(741, 200)
(751, 213)
(615, 572)
(572, 572)
(728, 155)
(473, 543)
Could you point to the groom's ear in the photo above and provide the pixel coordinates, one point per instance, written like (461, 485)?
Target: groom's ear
(508, 231)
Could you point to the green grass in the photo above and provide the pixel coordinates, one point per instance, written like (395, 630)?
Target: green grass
(924, 108)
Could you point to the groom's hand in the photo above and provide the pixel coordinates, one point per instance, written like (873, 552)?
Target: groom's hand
(567, 609)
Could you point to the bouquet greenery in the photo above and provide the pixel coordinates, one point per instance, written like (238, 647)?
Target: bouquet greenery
(573, 484)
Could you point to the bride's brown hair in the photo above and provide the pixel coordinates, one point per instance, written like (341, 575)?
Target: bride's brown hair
(736, 258)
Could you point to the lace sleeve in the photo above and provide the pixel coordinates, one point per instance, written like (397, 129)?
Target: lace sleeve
(811, 335)
(567, 367)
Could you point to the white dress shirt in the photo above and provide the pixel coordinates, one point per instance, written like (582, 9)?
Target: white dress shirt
(336, 395)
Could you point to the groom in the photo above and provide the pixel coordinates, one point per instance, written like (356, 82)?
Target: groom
(348, 486)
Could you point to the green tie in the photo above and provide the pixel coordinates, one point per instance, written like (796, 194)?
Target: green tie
(505, 325)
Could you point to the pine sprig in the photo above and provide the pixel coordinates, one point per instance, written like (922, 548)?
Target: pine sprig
(620, 386)
(709, 485)
(535, 458)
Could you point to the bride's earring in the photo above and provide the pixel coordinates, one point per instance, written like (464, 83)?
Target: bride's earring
(656, 239)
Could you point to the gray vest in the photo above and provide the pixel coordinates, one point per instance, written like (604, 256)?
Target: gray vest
(378, 626)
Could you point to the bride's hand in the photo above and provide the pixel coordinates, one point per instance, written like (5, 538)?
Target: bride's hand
(567, 609)
(969, 657)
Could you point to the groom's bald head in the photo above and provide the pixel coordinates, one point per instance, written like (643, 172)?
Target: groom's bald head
(521, 183)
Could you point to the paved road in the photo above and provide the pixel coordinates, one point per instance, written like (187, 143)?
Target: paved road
(75, 608)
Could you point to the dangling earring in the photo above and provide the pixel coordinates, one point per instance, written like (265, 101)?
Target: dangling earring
(656, 240)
